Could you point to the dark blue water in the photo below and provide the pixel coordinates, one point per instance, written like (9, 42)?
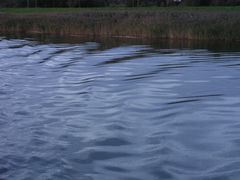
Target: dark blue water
(130, 112)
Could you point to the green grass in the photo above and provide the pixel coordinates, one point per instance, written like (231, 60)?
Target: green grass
(76, 10)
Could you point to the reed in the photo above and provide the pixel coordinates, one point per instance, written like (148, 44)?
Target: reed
(168, 24)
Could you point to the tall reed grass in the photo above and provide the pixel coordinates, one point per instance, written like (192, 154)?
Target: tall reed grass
(175, 24)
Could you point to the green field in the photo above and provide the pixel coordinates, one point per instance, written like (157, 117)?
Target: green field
(76, 10)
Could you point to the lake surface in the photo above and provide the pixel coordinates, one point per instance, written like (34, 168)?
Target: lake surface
(89, 111)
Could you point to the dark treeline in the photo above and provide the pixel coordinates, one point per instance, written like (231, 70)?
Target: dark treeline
(102, 3)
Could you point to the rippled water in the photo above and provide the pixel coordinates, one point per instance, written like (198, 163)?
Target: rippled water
(84, 111)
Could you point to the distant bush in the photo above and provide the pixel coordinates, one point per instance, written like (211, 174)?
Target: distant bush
(101, 3)
(211, 2)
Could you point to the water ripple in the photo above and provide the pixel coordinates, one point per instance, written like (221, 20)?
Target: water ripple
(134, 112)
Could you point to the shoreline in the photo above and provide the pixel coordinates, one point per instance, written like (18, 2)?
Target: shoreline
(172, 24)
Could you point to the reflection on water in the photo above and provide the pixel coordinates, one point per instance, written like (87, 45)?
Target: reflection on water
(93, 111)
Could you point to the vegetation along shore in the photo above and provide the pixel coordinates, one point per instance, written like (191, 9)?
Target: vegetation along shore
(200, 23)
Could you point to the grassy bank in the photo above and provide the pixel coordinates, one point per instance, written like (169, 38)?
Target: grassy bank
(151, 8)
(214, 23)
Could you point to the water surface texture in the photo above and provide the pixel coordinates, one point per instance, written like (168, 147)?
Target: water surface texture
(131, 112)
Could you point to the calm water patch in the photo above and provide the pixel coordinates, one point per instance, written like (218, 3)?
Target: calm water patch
(92, 112)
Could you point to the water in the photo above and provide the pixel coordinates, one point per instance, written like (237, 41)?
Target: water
(90, 111)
